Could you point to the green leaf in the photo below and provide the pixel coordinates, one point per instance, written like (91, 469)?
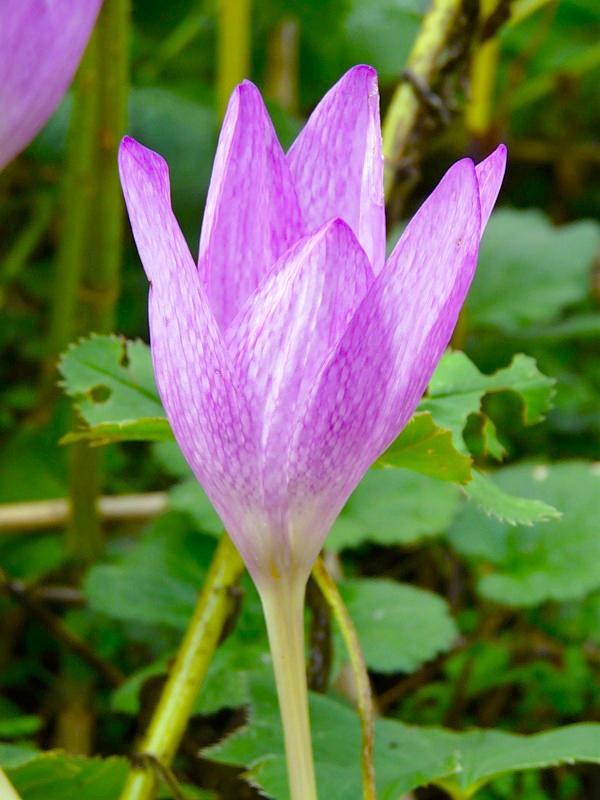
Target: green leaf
(523, 249)
(336, 741)
(393, 506)
(226, 685)
(399, 626)
(54, 775)
(526, 566)
(424, 447)
(458, 387)
(112, 383)
(156, 582)
(490, 498)
(15, 755)
(484, 755)
(18, 727)
(188, 497)
(406, 757)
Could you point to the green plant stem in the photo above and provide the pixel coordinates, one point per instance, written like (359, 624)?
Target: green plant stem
(89, 256)
(26, 243)
(7, 790)
(361, 676)
(174, 709)
(427, 59)
(283, 605)
(234, 40)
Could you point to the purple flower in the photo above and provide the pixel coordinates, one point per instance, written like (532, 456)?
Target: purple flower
(41, 44)
(293, 354)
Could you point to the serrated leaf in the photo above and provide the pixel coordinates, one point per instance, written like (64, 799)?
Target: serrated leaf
(55, 775)
(458, 387)
(426, 448)
(521, 248)
(490, 498)
(112, 383)
(393, 506)
(399, 626)
(558, 560)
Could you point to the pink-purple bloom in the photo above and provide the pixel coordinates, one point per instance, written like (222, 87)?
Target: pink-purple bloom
(41, 44)
(293, 354)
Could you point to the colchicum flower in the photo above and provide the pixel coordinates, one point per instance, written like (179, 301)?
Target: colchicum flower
(41, 44)
(293, 354)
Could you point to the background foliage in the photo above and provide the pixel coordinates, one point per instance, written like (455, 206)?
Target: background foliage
(477, 603)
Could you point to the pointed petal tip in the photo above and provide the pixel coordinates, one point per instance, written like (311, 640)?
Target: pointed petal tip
(490, 174)
(133, 156)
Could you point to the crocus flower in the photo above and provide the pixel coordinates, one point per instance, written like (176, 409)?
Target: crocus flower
(41, 44)
(293, 353)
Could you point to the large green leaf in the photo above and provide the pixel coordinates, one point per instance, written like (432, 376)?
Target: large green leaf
(424, 447)
(559, 560)
(55, 775)
(549, 265)
(112, 383)
(394, 506)
(336, 742)
(405, 756)
(157, 581)
(399, 626)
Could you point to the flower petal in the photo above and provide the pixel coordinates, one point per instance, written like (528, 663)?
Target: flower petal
(194, 374)
(372, 384)
(252, 214)
(281, 339)
(490, 173)
(337, 165)
(41, 44)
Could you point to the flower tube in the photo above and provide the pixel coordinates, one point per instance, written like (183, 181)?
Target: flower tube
(293, 353)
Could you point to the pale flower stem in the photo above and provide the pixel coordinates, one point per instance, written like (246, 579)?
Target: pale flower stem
(283, 608)
(7, 790)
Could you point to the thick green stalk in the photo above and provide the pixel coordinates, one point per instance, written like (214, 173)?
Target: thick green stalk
(233, 58)
(428, 58)
(283, 605)
(89, 256)
(361, 677)
(174, 709)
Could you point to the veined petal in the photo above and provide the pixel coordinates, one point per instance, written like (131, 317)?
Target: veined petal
(281, 339)
(370, 387)
(337, 165)
(41, 44)
(490, 173)
(252, 214)
(194, 374)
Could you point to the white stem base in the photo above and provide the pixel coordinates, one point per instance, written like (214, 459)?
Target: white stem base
(283, 607)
